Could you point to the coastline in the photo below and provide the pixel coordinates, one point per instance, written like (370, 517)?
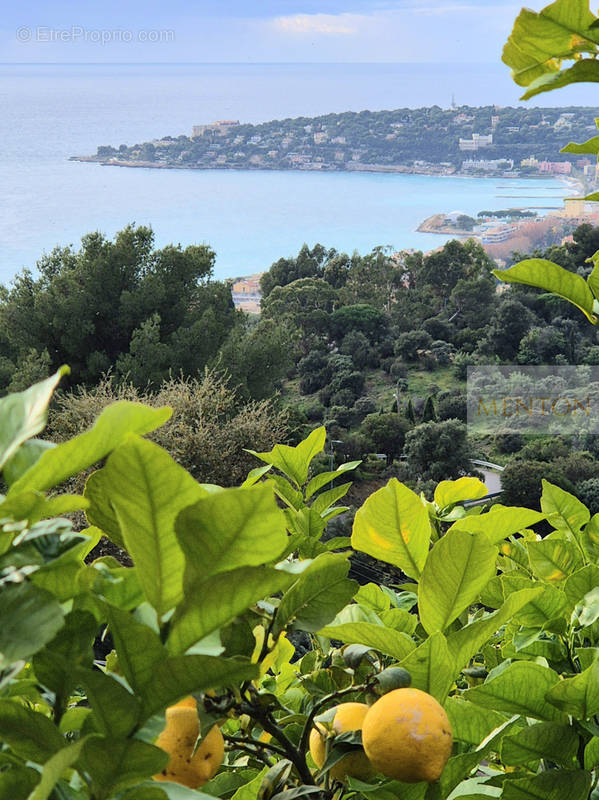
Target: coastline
(575, 185)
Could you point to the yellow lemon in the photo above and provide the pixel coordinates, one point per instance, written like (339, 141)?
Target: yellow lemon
(178, 740)
(407, 736)
(348, 717)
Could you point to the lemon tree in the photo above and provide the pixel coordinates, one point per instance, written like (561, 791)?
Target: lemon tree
(493, 629)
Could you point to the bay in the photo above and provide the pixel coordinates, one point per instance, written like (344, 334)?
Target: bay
(250, 218)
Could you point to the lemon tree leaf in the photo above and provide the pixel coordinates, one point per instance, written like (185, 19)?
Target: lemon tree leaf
(294, 462)
(550, 740)
(457, 570)
(24, 414)
(538, 39)
(580, 583)
(179, 676)
(320, 480)
(464, 643)
(31, 617)
(554, 559)
(320, 592)
(393, 525)
(229, 529)
(114, 764)
(499, 523)
(578, 696)
(469, 723)
(552, 278)
(392, 643)
(55, 767)
(209, 604)
(147, 489)
(17, 782)
(113, 425)
(565, 511)
(591, 146)
(30, 734)
(553, 784)
(519, 688)
(138, 647)
(431, 666)
(116, 710)
(447, 493)
(585, 70)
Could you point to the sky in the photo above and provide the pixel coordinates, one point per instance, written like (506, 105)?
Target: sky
(125, 31)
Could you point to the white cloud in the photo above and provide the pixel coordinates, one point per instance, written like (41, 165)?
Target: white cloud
(319, 24)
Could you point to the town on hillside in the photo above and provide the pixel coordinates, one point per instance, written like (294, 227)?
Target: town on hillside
(489, 140)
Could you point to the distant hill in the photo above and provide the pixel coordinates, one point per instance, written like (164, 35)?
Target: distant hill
(398, 140)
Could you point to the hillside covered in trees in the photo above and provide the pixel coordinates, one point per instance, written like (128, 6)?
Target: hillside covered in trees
(354, 140)
(375, 346)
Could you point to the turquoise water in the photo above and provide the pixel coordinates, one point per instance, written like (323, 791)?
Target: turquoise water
(250, 218)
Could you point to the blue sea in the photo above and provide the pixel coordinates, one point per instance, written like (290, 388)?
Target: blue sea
(250, 218)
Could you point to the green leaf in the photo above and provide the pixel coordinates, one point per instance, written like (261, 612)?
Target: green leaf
(326, 499)
(393, 525)
(553, 784)
(24, 458)
(318, 481)
(549, 740)
(552, 278)
(59, 576)
(539, 39)
(457, 570)
(30, 734)
(170, 791)
(587, 611)
(519, 688)
(55, 767)
(460, 766)
(294, 462)
(448, 493)
(320, 592)
(116, 710)
(212, 603)
(550, 604)
(431, 667)
(499, 523)
(31, 617)
(146, 489)
(568, 514)
(55, 664)
(179, 676)
(249, 791)
(111, 428)
(578, 696)
(591, 753)
(17, 782)
(464, 643)
(24, 414)
(591, 146)
(138, 647)
(585, 70)
(114, 764)
(385, 640)
(233, 528)
(469, 723)
(554, 559)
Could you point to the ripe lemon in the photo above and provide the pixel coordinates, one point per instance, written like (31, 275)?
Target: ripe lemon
(178, 740)
(407, 736)
(348, 717)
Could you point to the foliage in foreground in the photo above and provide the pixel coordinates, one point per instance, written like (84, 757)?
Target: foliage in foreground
(548, 50)
(496, 624)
